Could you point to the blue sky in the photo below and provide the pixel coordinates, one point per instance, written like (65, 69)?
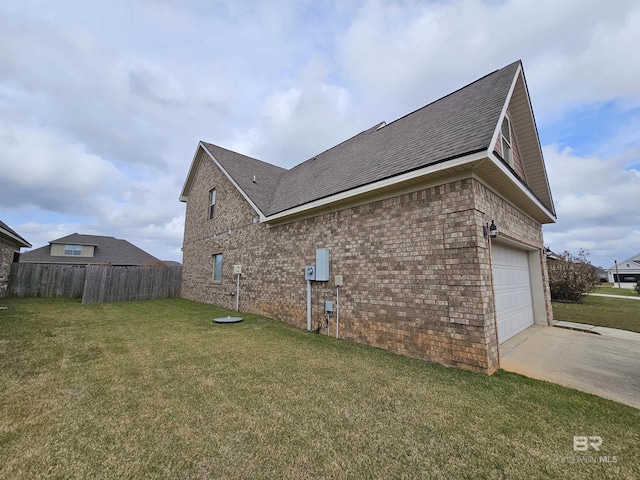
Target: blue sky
(102, 103)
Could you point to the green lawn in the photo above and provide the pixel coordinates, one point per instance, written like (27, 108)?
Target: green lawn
(609, 289)
(606, 312)
(154, 389)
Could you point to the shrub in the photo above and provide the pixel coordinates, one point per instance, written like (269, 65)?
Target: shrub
(571, 276)
(637, 288)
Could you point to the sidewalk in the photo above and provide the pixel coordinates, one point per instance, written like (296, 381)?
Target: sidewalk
(612, 296)
(607, 332)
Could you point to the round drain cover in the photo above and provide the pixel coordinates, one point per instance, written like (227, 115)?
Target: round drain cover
(227, 319)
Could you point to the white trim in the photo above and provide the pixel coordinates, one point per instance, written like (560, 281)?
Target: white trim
(496, 132)
(246, 197)
(474, 157)
(183, 197)
(500, 164)
(21, 242)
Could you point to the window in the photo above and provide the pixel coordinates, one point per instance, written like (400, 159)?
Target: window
(628, 265)
(75, 250)
(212, 202)
(217, 267)
(506, 140)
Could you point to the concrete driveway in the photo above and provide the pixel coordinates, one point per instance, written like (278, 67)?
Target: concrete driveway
(607, 365)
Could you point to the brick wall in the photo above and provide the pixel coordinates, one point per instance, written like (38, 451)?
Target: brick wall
(417, 279)
(6, 258)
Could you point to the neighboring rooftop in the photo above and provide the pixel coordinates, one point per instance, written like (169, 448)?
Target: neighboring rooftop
(107, 251)
(11, 236)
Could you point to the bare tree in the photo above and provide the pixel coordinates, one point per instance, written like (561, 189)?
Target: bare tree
(570, 277)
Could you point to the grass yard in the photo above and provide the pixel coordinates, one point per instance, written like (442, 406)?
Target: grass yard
(154, 389)
(605, 312)
(609, 289)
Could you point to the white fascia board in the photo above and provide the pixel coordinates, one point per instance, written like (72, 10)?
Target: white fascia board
(246, 197)
(183, 196)
(21, 242)
(507, 171)
(474, 157)
(496, 132)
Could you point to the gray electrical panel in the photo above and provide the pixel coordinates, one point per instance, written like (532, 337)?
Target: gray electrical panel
(328, 307)
(322, 264)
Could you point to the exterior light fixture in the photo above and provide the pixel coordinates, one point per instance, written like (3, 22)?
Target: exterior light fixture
(492, 231)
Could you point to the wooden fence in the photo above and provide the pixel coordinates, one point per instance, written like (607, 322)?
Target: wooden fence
(105, 284)
(94, 283)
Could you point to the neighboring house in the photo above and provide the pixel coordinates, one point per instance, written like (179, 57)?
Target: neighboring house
(601, 273)
(628, 272)
(10, 245)
(78, 249)
(403, 209)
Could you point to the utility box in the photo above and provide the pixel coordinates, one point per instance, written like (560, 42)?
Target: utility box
(339, 280)
(328, 307)
(322, 264)
(309, 272)
(237, 269)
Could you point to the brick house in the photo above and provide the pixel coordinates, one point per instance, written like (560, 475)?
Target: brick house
(82, 249)
(10, 245)
(404, 210)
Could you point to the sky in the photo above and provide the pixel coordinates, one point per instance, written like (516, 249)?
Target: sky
(103, 103)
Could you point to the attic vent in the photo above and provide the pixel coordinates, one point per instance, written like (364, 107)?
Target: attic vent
(382, 125)
(254, 179)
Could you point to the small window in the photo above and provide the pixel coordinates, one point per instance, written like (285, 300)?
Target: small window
(506, 140)
(212, 202)
(75, 250)
(217, 267)
(628, 265)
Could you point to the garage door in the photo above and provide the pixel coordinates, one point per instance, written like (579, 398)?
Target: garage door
(512, 285)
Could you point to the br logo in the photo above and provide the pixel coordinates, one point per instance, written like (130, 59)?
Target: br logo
(582, 444)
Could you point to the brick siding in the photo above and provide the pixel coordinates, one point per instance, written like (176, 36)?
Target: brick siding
(417, 278)
(6, 258)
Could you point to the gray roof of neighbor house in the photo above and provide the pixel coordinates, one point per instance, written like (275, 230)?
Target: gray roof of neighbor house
(108, 250)
(10, 235)
(458, 124)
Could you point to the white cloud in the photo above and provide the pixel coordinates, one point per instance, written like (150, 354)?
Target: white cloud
(50, 170)
(596, 200)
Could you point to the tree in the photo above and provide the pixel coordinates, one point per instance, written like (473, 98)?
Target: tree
(570, 277)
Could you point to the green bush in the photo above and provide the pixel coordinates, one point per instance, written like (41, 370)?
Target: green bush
(637, 288)
(570, 277)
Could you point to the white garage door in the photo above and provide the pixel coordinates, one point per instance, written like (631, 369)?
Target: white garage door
(512, 284)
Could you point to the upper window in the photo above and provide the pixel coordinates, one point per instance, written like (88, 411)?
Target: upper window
(212, 202)
(217, 267)
(506, 140)
(628, 265)
(73, 250)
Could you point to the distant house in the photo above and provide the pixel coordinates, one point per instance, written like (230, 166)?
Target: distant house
(388, 237)
(78, 249)
(627, 272)
(10, 245)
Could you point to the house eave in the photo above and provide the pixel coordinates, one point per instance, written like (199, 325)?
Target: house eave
(457, 164)
(20, 242)
(184, 197)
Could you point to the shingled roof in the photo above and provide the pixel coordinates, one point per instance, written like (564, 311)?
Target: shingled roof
(108, 251)
(10, 235)
(459, 124)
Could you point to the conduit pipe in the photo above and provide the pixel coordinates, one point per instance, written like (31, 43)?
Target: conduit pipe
(238, 294)
(337, 310)
(309, 305)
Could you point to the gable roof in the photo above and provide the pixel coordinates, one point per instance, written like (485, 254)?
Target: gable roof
(635, 260)
(108, 250)
(458, 125)
(11, 236)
